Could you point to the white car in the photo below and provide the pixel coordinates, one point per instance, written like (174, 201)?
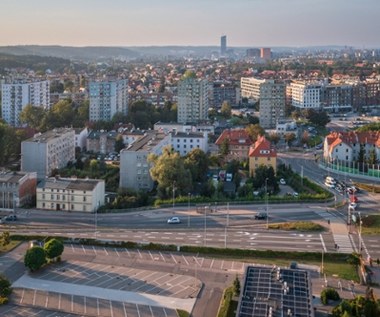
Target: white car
(282, 181)
(295, 194)
(173, 220)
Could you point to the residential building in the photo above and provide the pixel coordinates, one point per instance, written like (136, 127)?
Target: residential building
(70, 194)
(108, 98)
(134, 165)
(167, 127)
(271, 97)
(192, 100)
(48, 151)
(262, 153)
(17, 189)
(306, 95)
(274, 291)
(15, 96)
(81, 138)
(223, 91)
(284, 127)
(346, 146)
(238, 141)
(185, 142)
(253, 53)
(336, 98)
(265, 53)
(101, 141)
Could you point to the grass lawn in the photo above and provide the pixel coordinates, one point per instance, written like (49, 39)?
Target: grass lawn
(298, 225)
(9, 247)
(371, 224)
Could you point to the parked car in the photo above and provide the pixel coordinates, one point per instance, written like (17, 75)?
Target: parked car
(282, 181)
(11, 218)
(174, 220)
(295, 194)
(260, 216)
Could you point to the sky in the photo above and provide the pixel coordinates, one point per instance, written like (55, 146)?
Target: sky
(248, 23)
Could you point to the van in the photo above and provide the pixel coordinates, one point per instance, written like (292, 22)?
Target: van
(330, 180)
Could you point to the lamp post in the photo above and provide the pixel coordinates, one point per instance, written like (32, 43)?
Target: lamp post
(173, 193)
(188, 211)
(266, 201)
(360, 233)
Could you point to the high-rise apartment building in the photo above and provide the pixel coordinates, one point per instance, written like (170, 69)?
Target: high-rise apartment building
(108, 98)
(192, 99)
(223, 45)
(48, 151)
(265, 53)
(271, 97)
(15, 96)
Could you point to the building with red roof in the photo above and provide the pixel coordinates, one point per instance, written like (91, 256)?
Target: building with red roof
(239, 142)
(262, 153)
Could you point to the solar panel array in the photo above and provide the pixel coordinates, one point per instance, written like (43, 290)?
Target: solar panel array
(275, 292)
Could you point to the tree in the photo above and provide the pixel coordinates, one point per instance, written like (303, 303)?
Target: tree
(372, 157)
(224, 148)
(254, 131)
(225, 111)
(236, 286)
(289, 138)
(5, 289)
(8, 143)
(318, 118)
(5, 238)
(197, 162)
(119, 143)
(274, 137)
(53, 248)
(170, 173)
(305, 137)
(35, 258)
(32, 116)
(361, 154)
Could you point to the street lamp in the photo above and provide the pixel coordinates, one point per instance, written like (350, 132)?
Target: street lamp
(188, 210)
(266, 201)
(173, 193)
(360, 233)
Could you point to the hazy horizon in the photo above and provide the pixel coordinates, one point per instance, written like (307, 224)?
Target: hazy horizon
(247, 23)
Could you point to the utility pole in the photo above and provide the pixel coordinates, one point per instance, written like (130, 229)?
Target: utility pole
(266, 201)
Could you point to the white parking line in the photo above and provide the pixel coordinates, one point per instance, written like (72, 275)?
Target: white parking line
(34, 297)
(221, 266)
(125, 310)
(59, 301)
(150, 307)
(22, 295)
(126, 250)
(84, 250)
(166, 315)
(162, 257)
(97, 306)
(72, 302)
(117, 253)
(94, 250)
(105, 250)
(187, 263)
(212, 262)
(72, 248)
(151, 255)
(175, 261)
(138, 311)
(85, 305)
(139, 253)
(47, 300)
(111, 310)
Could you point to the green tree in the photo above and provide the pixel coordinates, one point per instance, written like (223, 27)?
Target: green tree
(5, 289)
(305, 137)
(53, 248)
(372, 157)
(274, 137)
(119, 143)
(236, 286)
(318, 118)
(170, 173)
(61, 114)
(32, 116)
(224, 148)
(8, 143)
(35, 258)
(361, 154)
(197, 162)
(5, 238)
(254, 131)
(289, 138)
(226, 111)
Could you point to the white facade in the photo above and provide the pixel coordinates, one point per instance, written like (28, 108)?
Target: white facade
(81, 138)
(192, 100)
(306, 95)
(185, 142)
(15, 96)
(48, 151)
(173, 127)
(270, 94)
(108, 98)
(134, 166)
(81, 195)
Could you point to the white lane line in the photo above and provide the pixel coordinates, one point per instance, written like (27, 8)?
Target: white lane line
(139, 253)
(126, 250)
(22, 295)
(125, 310)
(187, 263)
(105, 251)
(85, 304)
(138, 311)
(212, 263)
(34, 297)
(117, 253)
(111, 310)
(162, 257)
(94, 250)
(175, 261)
(323, 243)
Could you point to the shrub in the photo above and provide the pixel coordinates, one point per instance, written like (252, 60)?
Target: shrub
(5, 287)
(35, 258)
(53, 248)
(329, 293)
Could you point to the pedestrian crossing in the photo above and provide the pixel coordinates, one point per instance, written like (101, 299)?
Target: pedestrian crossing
(339, 231)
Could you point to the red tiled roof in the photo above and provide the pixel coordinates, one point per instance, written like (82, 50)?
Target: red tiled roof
(262, 148)
(351, 137)
(235, 137)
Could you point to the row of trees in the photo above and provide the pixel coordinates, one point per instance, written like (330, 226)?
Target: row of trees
(37, 256)
(10, 142)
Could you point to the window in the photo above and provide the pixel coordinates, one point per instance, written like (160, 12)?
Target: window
(43, 196)
(52, 196)
(84, 198)
(43, 205)
(52, 205)
(57, 197)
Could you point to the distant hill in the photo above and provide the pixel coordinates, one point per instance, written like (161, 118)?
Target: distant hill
(69, 52)
(36, 63)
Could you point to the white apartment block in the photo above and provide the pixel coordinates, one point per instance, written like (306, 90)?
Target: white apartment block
(68, 194)
(15, 96)
(134, 166)
(81, 138)
(185, 142)
(306, 95)
(108, 98)
(192, 101)
(48, 151)
(271, 97)
(167, 127)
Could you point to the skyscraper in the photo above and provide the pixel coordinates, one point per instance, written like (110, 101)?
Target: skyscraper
(15, 96)
(265, 53)
(223, 45)
(108, 98)
(192, 99)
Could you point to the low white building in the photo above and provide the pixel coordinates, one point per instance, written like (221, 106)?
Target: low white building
(185, 142)
(70, 194)
(81, 138)
(283, 127)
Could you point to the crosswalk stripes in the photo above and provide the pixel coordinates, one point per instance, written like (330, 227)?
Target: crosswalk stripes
(343, 242)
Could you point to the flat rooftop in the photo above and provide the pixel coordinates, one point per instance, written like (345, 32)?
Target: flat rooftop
(275, 292)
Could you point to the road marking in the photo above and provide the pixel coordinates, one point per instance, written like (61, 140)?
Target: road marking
(212, 262)
(125, 310)
(94, 250)
(47, 300)
(105, 251)
(34, 297)
(151, 255)
(150, 307)
(126, 250)
(166, 315)
(84, 250)
(59, 301)
(138, 311)
(22, 295)
(162, 257)
(117, 252)
(72, 302)
(175, 261)
(111, 308)
(187, 263)
(97, 306)
(221, 266)
(85, 304)
(139, 253)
